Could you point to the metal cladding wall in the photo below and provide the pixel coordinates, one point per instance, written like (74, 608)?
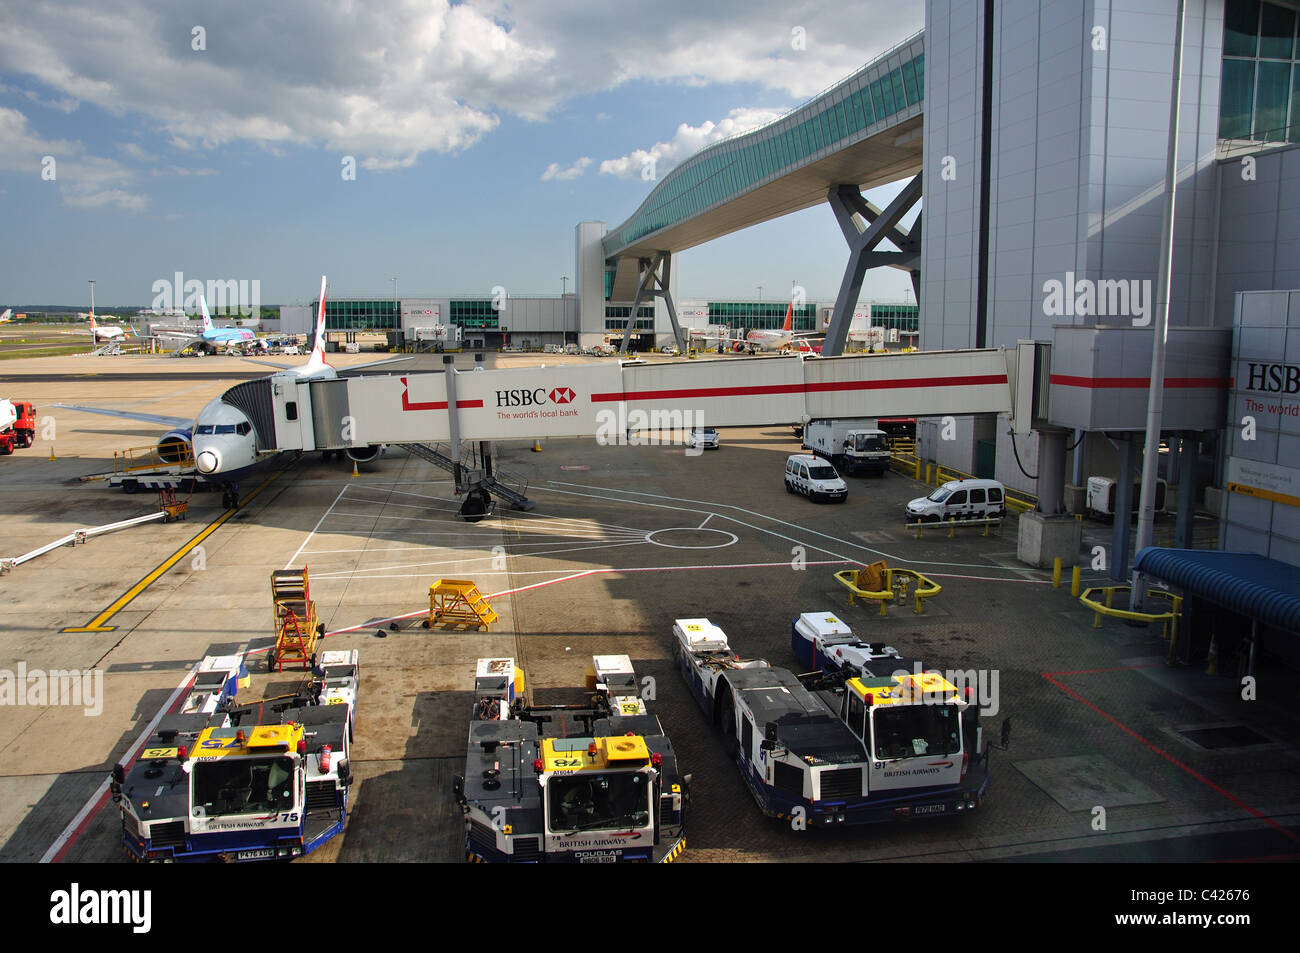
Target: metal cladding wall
(1261, 510)
(725, 393)
(608, 399)
(1101, 375)
(899, 385)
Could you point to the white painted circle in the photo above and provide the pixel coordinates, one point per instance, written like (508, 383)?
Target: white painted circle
(732, 538)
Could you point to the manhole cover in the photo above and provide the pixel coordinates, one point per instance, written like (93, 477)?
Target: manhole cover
(1082, 782)
(575, 467)
(1224, 736)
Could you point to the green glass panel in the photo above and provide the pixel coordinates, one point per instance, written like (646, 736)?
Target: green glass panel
(896, 81)
(1271, 101)
(878, 101)
(1276, 33)
(1236, 95)
(1295, 105)
(920, 74)
(1240, 27)
(909, 83)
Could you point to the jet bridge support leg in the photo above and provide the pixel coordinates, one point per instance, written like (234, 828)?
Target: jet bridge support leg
(846, 201)
(655, 275)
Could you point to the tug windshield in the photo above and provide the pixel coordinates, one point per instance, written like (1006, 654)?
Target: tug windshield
(243, 785)
(916, 731)
(590, 802)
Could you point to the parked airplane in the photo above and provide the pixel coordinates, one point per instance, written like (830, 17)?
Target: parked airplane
(6, 315)
(784, 340)
(221, 438)
(106, 332)
(212, 338)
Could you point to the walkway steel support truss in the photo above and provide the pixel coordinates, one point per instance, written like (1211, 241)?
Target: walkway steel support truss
(655, 273)
(846, 201)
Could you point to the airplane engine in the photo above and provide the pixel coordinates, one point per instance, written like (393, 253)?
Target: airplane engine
(363, 454)
(175, 446)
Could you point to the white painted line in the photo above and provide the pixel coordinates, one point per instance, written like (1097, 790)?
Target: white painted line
(102, 790)
(317, 526)
(369, 573)
(741, 509)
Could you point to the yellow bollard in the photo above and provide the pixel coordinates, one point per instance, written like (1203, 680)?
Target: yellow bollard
(1074, 582)
(928, 470)
(1056, 573)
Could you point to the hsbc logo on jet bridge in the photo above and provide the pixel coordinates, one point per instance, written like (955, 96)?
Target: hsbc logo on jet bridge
(524, 397)
(536, 403)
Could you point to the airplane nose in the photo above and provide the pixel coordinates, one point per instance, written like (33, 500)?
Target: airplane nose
(207, 461)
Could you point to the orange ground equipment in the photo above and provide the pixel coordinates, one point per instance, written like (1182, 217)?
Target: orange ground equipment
(297, 629)
(458, 601)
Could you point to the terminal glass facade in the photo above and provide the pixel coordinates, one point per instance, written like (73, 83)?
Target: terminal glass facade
(904, 317)
(475, 313)
(762, 315)
(616, 318)
(1260, 92)
(359, 315)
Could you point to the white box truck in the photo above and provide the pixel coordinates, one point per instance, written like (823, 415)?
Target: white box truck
(851, 444)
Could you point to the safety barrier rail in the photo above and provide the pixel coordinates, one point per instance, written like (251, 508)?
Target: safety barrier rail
(908, 464)
(951, 525)
(892, 585)
(78, 536)
(136, 459)
(1168, 620)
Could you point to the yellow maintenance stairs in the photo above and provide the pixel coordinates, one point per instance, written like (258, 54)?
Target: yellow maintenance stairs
(297, 629)
(458, 601)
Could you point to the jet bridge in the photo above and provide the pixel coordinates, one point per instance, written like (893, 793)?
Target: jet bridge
(608, 400)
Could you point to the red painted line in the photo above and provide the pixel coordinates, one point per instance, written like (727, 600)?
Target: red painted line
(758, 390)
(1171, 383)
(1174, 761)
(408, 404)
(103, 798)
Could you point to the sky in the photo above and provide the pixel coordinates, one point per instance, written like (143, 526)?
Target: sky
(141, 138)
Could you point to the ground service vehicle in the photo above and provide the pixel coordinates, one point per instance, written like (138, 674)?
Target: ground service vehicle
(17, 425)
(855, 445)
(814, 478)
(869, 741)
(1101, 497)
(266, 780)
(959, 500)
(703, 438)
(594, 783)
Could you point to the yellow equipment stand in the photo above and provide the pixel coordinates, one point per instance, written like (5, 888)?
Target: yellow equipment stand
(885, 584)
(458, 601)
(297, 629)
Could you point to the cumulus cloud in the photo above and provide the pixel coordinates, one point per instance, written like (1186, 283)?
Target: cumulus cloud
(653, 162)
(555, 171)
(389, 80)
(83, 180)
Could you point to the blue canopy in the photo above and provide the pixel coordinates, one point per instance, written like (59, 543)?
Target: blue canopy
(1247, 583)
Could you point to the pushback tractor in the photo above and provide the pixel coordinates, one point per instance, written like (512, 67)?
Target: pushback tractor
(233, 781)
(863, 740)
(593, 783)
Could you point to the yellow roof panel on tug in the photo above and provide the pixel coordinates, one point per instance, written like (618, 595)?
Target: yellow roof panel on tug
(575, 754)
(906, 689)
(263, 739)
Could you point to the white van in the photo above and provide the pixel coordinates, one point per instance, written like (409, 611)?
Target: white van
(813, 477)
(959, 500)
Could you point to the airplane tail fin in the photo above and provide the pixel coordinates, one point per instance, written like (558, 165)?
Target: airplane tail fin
(8, 313)
(318, 346)
(789, 317)
(207, 318)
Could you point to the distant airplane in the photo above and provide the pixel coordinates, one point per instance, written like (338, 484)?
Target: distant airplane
(106, 332)
(6, 315)
(212, 338)
(221, 438)
(785, 339)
